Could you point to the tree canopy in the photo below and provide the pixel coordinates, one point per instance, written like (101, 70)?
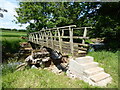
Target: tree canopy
(103, 16)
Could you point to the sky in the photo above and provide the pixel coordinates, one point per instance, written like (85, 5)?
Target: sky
(6, 21)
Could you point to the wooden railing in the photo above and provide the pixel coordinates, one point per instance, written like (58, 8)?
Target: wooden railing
(53, 38)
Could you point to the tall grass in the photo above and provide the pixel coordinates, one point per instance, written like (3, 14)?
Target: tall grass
(34, 78)
(109, 61)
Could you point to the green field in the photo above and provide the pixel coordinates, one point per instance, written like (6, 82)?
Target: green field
(33, 78)
(10, 42)
(11, 35)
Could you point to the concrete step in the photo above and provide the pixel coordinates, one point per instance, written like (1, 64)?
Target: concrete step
(86, 66)
(81, 67)
(104, 82)
(93, 71)
(86, 59)
(100, 76)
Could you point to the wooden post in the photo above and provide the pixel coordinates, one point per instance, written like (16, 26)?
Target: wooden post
(41, 38)
(60, 40)
(55, 38)
(37, 38)
(33, 37)
(51, 37)
(62, 32)
(71, 40)
(46, 38)
(84, 35)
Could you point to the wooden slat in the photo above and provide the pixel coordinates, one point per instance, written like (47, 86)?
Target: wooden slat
(86, 45)
(80, 48)
(76, 37)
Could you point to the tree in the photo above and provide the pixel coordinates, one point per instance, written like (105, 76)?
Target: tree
(108, 24)
(51, 14)
(3, 10)
(103, 16)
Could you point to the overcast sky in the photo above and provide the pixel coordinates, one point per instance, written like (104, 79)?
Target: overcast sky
(6, 21)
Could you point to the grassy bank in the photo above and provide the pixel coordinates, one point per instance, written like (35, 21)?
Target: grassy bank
(33, 78)
(10, 42)
(109, 61)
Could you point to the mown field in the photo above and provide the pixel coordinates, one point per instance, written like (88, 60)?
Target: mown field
(34, 78)
(11, 35)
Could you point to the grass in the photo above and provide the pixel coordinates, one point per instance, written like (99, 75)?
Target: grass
(11, 35)
(109, 61)
(10, 42)
(34, 78)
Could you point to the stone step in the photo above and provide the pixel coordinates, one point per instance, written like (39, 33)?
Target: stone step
(104, 82)
(100, 76)
(93, 71)
(86, 66)
(85, 59)
(81, 67)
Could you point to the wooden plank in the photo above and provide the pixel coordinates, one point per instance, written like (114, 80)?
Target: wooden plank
(56, 45)
(85, 45)
(66, 51)
(64, 27)
(80, 48)
(64, 42)
(75, 37)
(56, 42)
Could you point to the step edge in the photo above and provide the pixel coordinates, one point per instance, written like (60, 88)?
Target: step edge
(107, 75)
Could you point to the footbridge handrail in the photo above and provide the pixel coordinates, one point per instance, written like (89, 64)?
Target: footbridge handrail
(56, 38)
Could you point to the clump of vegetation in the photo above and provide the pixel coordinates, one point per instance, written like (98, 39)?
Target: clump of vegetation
(109, 61)
(10, 42)
(35, 78)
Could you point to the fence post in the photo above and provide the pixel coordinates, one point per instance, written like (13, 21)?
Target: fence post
(51, 37)
(46, 36)
(60, 40)
(71, 40)
(37, 38)
(84, 35)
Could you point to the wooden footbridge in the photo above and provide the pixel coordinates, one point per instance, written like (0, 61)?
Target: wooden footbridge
(62, 39)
